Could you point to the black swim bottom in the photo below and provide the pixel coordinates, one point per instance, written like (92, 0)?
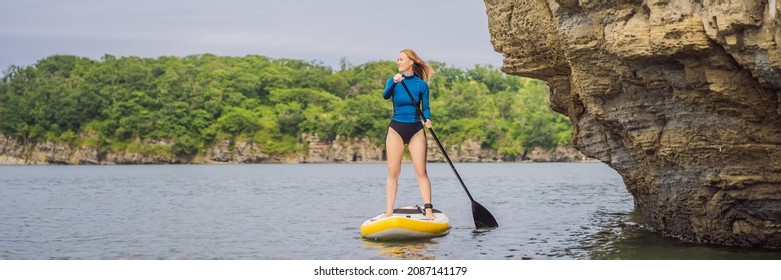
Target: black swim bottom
(406, 130)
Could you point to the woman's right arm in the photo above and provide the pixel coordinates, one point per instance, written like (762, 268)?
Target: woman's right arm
(389, 89)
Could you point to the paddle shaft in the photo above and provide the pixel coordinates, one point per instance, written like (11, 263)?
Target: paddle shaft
(482, 217)
(439, 144)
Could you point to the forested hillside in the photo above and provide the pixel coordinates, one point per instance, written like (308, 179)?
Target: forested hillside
(130, 103)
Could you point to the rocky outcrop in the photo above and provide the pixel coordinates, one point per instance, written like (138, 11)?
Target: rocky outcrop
(341, 150)
(313, 150)
(682, 98)
(471, 151)
(15, 152)
(242, 152)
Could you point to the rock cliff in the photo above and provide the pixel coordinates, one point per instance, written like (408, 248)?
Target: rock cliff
(682, 98)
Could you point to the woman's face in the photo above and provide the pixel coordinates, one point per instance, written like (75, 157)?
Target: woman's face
(403, 62)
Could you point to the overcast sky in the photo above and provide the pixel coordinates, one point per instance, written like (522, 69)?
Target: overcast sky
(450, 31)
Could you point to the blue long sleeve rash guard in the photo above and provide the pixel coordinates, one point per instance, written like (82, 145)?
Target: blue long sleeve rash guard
(404, 108)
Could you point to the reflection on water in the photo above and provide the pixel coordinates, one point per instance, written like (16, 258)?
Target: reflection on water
(623, 236)
(407, 250)
(481, 231)
(418, 249)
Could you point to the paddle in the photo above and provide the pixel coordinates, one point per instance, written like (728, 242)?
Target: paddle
(483, 218)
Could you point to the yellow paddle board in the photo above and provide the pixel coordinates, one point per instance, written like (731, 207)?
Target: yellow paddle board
(407, 222)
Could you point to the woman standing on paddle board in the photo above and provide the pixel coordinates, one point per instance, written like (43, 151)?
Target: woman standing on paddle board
(406, 127)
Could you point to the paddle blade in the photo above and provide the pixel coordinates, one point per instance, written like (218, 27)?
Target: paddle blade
(483, 218)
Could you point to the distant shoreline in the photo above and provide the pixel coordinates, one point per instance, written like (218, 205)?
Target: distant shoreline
(4, 163)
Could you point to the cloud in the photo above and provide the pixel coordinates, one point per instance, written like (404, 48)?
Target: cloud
(451, 31)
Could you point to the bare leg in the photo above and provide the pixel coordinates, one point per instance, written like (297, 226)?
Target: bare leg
(417, 149)
(394, 147)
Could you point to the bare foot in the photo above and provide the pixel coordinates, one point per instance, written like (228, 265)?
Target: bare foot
(430, 214)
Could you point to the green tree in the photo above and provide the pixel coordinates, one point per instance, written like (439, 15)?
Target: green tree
(116, 103)
(239, 120)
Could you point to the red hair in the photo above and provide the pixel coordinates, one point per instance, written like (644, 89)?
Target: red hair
(420, 68)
